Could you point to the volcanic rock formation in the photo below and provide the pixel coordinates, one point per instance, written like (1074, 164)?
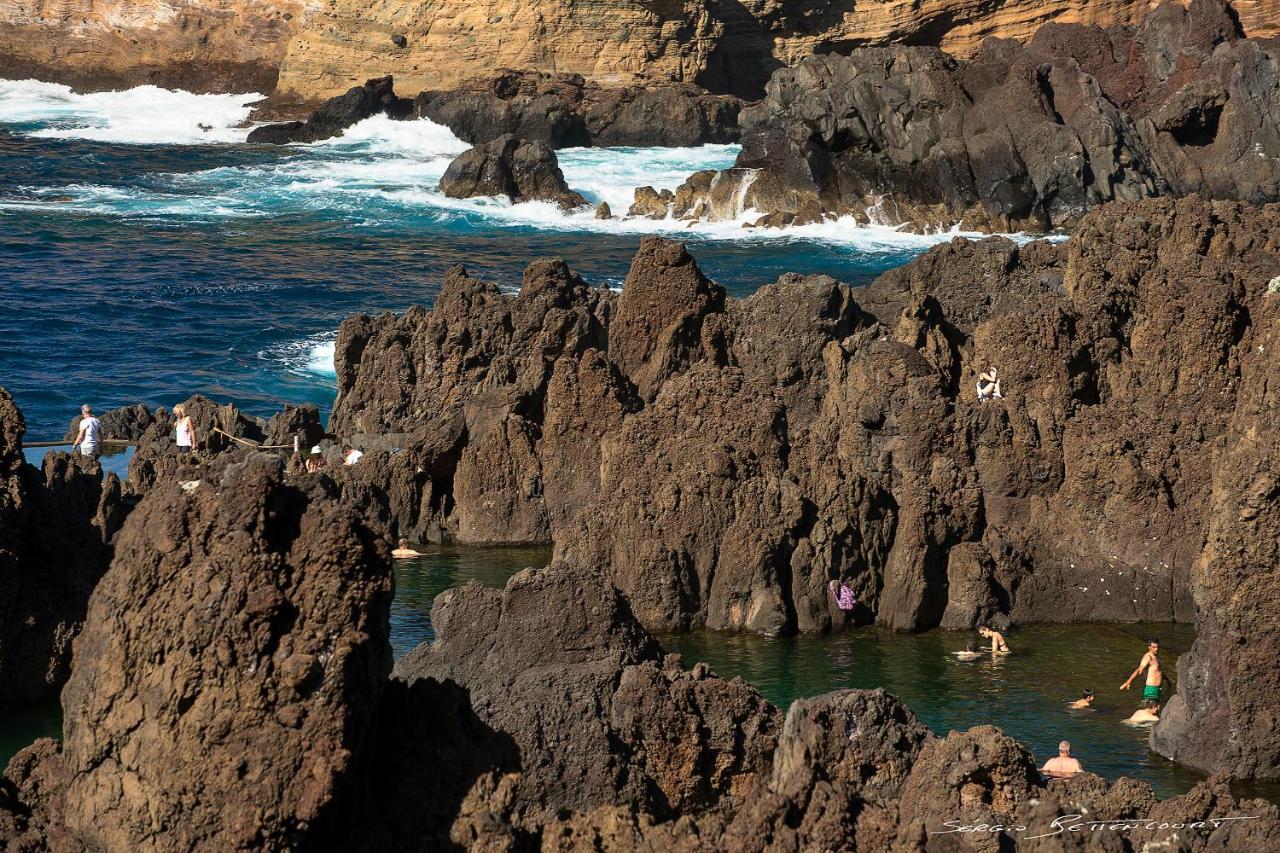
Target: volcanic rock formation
(56, 528)
(1016, 137)
(337, 114)
(564, 110)
(509, 167)
(225, 685)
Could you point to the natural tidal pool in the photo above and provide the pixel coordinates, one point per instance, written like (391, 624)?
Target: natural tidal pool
(1025, 693)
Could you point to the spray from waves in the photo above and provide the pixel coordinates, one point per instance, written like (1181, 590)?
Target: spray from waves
(142, 115)
(310, 358)
(379, 173)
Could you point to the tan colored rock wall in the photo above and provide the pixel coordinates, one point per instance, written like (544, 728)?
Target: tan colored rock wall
(321, 49)
(199, 45)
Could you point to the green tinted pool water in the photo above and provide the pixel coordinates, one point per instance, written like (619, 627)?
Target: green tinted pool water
(1025, 693)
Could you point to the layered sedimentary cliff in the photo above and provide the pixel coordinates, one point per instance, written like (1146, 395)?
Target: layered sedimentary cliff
(243, 702)
(723, 46)
(320, 50)
(1018, 137)
(197, 45)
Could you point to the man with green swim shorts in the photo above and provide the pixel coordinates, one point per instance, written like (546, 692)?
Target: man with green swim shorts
(1155, 678)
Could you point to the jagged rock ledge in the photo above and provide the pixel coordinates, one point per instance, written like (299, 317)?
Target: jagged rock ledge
(1016, 137)
(230, 691)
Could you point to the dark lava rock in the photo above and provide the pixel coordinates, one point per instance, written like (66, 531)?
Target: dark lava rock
(722, 460)
(225, 684)
(56, 528)
(507, 166)
(564, 110)
(1018, 137)
(337, 114)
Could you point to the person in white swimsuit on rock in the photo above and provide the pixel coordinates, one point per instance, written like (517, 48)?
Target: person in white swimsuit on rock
(186, 429)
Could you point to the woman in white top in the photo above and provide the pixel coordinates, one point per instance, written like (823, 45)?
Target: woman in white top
(186, 430)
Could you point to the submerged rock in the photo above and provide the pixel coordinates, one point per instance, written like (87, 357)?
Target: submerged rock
(337, 114)
(1016, 137)
(510, 167)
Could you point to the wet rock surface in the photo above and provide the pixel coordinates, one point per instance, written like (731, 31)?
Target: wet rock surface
(1015, 137)
(511, 168)
(337, 114)
(564, 111)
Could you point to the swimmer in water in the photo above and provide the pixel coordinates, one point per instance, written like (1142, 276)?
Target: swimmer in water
(1085, 700)
(969, 652)
(998, 645)
(1148, 714)
(403, 550)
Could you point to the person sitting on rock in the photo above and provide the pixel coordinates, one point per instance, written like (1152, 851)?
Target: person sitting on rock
(1062, 766)
(403, 550)
(989, 386)
(1150, 713)
(998, 645)
(1085, 700)
(969, 652)
(350, 455)
(315, 462)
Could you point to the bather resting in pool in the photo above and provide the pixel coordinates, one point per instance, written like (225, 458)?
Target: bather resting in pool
(998, 645)
(1148, 714)
(969, 652)
(1062, 766)
(1085, 700)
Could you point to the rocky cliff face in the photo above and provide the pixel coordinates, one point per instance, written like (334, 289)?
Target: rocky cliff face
(197, 45)
(723, 46)
(56, 528)
(723, 460)
(1016, 137)
(319, 51)
(243, 704)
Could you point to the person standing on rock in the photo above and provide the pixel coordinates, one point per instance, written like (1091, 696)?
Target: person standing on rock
(1062, 766)
(185, 429)
(89, 438)
(989, 386)
(1155, 678)
(998, 645)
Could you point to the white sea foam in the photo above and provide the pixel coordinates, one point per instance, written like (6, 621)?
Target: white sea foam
(378, 171)
(142, 115)
(309, 357)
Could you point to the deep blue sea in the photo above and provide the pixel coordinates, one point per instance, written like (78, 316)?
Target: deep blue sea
(143, 258)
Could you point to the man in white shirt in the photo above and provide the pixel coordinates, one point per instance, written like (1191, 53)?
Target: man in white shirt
(350, 455)
(89, 439)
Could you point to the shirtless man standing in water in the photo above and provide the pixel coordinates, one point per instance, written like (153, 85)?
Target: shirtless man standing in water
(1062, 766)
(1155, 678)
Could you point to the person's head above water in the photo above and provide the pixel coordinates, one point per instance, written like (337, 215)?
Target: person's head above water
(984, 630)
(404, 543)
(1152, 705)
(1064, 748)
(972, 647)
(1087, 695)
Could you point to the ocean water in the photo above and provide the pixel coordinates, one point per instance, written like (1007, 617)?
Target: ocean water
(148, 253)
